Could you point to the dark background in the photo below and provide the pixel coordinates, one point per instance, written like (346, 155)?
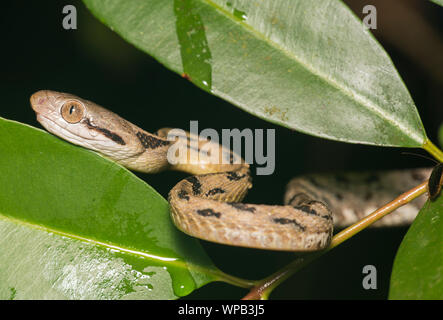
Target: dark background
(95, 63)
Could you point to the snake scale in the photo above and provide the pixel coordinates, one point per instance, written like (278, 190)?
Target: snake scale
(208, 205)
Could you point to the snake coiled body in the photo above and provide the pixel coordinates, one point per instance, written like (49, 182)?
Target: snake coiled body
(208, 204)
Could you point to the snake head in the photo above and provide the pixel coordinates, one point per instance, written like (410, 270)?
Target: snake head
(86, 124)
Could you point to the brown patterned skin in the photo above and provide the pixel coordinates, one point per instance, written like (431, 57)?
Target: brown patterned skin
(207, 205)
(353, 195)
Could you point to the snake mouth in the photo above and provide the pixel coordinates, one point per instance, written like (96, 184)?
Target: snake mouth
(45, 121)
(52, 126)
(77, 134)
(64, 132)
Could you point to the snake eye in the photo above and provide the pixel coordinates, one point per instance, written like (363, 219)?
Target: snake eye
(72, 111)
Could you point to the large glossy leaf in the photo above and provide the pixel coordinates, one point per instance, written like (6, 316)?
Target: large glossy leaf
(307, 65)
(418, 266)
(76, 225)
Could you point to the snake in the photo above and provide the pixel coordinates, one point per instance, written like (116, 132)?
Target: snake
(208, 204)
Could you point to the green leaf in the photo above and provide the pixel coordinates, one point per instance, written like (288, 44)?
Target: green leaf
(440, 2)
(307, 65)
(74, 225)
(418, 266)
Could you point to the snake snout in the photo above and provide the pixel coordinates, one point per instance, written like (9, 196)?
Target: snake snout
(39, 100)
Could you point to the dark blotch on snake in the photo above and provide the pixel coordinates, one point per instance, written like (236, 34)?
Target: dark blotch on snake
(289, 221)
(234, 176)
(151, 142)
(242, 206)
(215, 191)
(298, 199)
(295, 196)
(314, 182)
(209, 213)
(307, 209)
(196, 185)
(111, 135)
(182, 194)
